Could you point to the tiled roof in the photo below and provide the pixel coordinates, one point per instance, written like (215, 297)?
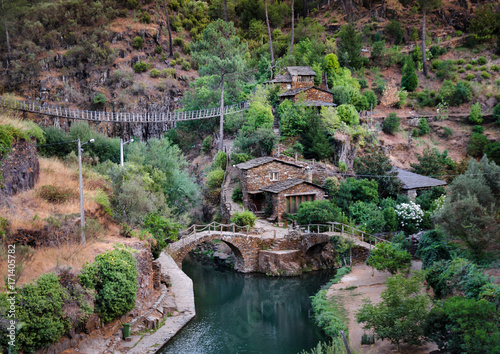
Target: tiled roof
(412, 180)
(286, 184)
(301, 70)
(296, 91)
(261, 161)
(281, 78)
(319, 103)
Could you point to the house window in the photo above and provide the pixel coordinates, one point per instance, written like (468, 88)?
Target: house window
(293, 202)
(288, 86)
(274, 176)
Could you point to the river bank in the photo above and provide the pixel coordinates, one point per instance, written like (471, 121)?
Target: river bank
(364, 282)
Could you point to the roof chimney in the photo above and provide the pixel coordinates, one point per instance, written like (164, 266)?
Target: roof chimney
(308, 174)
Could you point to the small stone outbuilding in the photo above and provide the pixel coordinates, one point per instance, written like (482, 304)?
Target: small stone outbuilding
(280, 180)
(289, 194)
(412, 183)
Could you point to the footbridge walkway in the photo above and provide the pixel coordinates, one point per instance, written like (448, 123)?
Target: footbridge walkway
(118, 117)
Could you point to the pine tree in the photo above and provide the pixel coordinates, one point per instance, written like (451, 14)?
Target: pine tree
(409, 80)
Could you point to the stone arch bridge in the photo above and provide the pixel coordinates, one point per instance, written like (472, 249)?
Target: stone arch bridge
(247, 248)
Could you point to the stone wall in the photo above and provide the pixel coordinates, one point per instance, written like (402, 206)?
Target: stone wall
(20, 169)
(279, 203)
(314, 94)
(259, 177)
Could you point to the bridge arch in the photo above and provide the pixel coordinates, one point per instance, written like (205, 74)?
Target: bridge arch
(245, 248)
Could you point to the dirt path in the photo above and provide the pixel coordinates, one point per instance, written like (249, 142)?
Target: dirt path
(368, 286)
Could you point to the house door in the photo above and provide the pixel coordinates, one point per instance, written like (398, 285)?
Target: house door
(293, 202)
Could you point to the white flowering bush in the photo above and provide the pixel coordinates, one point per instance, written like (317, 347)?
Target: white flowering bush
(410, 217)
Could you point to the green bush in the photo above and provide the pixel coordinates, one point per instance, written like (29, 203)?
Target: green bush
(158, 49)
(469, 77)
(476, 114)
(409, 80)
(460, 61)
(113, 275)
(368, 216)
(496, 113)
(478, 129)
(167, 73)
(395, 30)
(162, 230)
(154, 73)
(140, 67)
(178, 42)
(495, 67)
(477, 144)
(220, 160)
(245, 218)
(468, 67)
(145, 18)
(137, 42)
(40, 309)
(53, 137)
(485, 75)
(391, 124)
(240, 158)
(237, 195)
(371, 97)
(432, 248)
(215, 178)
(186, 66)
(463, 92)
(446, 69)
(461, 325)
(56, 194)
(317, 212)
(447, 133)
(206, 145)
(423, 127)
(347, 113)
(482, 61)
(352, 190)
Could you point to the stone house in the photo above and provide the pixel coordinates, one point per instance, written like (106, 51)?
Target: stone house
(300, 79)
(412, 183)
(286, 184)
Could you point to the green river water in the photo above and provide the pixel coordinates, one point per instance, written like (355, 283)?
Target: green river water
(249, 313)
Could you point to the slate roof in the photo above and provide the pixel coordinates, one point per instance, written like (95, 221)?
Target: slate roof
(296, 91)
(319, 103)
(412, 180)
(279, 187)
(301, 71)
(281, 78)
(261, 161)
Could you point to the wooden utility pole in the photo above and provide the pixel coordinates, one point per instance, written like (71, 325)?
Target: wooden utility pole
(225, 10)
(221, 123)
(9, 50)
(293, 33)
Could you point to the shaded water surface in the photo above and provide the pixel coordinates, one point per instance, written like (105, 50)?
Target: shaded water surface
(242, 313)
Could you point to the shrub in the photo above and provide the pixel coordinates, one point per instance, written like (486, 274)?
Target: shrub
(395, 30)
(477, 144)
(154, 73)
(482, 61)
(460, 61)
(162, 230)
(167, 73)
(158, 49)
(53, 137)
(409, 80)
(245, 218)
(468, 67)
(353, 190)
(446, 69)
(495, 67)
(317, 212)
(447, 133)
(469, 77)
(496, 113)
(220, 160)
(391, 124)
(40, 310)
(347, 113)
(186, 66)
(423, 127)
(478, 129)
(341, 95)
(476, 114)
(240, 158)
(371, 98)
(140, 67)
(56, 194)
(237, 195)
(410, 216)
(368, 215)
(178, 42)
(215, 178)
(485, 75)
(463, 92)
(113, 275)
(145, 18)
(137, 42)
(432, 248)
(206, 145)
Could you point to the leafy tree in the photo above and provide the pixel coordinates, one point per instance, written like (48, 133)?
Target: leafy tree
(486, 20)
(433, 163)
(353, 190)
(426, 5)
(395, 30)
(400, 314)
(389, 257)
(428, 196)
(368, 215)
(317, 212)
(423, 127)
(347, 113)
(476, 114)
(391, 124)
(496, 111)
(162, 229)
(375, 163)
(292, 118)
(492, 150)
(349, 47)
(315, 139)
(432, 248)
(477, 145)
(114, 277)
(464, 325)
(261, 142)
(220, 54)
(470, 211)
(409, 80)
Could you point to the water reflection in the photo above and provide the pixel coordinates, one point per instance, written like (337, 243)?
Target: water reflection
(238, 313)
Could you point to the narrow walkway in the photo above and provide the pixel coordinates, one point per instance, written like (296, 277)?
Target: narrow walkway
(182, 288)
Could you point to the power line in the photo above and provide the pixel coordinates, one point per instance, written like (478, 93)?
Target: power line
(433, 176)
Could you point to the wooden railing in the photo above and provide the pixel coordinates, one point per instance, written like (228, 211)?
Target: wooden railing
(121, 117)
(343, 229)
